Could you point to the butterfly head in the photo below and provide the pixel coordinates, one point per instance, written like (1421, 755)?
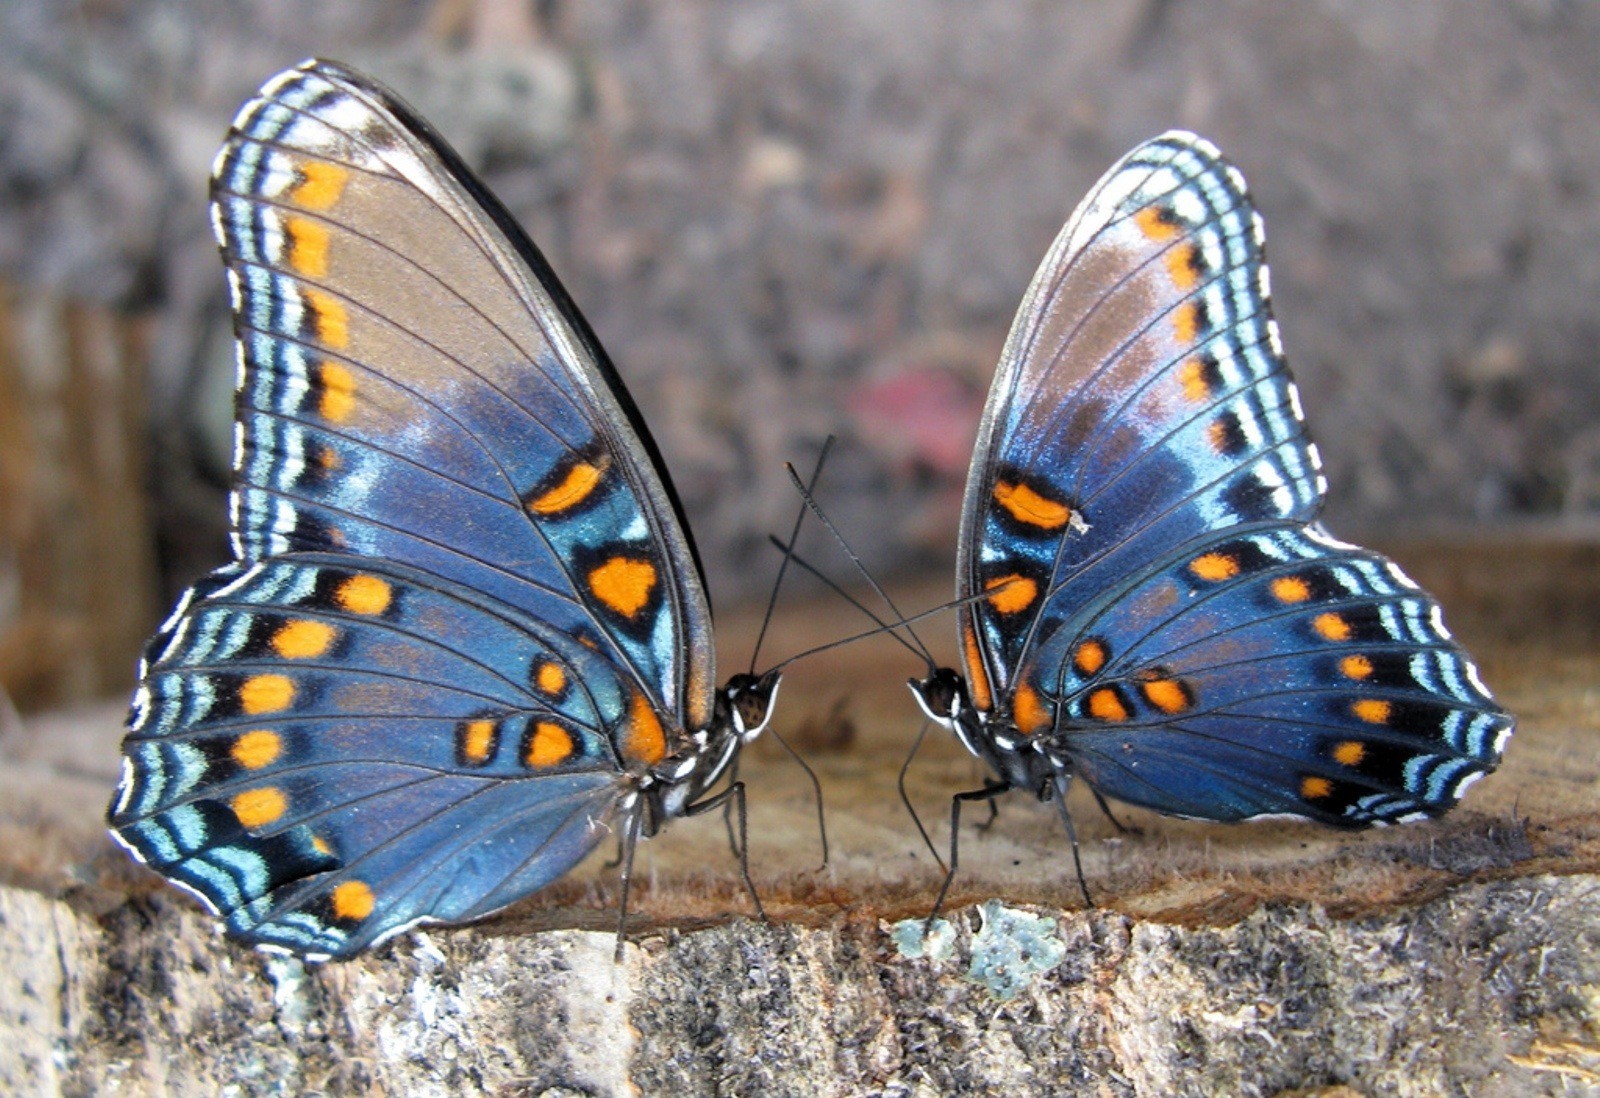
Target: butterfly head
(749, 700)
(942, 695)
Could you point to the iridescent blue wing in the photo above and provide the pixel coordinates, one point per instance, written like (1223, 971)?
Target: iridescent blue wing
(465, 602)
(1276, 671)
(415, 385)
(328, 749)
(1143, 423)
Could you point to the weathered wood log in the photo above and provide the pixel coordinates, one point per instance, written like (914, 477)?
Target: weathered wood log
(1458, 956)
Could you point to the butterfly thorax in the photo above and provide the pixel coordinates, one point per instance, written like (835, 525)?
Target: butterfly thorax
(990, 735)
(740, 714)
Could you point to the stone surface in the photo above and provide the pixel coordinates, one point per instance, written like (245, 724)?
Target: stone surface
(1491, 989)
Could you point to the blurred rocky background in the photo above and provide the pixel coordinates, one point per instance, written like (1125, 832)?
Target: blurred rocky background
(791, 218)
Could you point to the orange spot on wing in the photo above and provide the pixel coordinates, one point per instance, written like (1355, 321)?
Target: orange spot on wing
(1105, 705)
(366, 595)
(1290, 589)
(308, 246)
(643, 740)
(550, 744)
(1089, 657)
(1215, 567)
(1186, 322)
(1026, 505)
(623, 584)
(1029, 711)
(1349, 753)
(303, 639)
(1167, 695)
(256, 749)
(1183, 266)
(977, 674)
(1331, 626)
(579, 483)
(1192, 376)
(338, 397)
(266, 694)
(333, 319)
(1355, 667)
(320, 845)
(550, 678)
(353, 900)
(259, 807)
(1372, 710)
(1315, 788)
(1217, 435)
(1154, 224)
(320, 186)
(1009, 594)
(477, 740)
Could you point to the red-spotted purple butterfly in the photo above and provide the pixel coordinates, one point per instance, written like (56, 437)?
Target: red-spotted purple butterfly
(466, 636)
(1147, 599)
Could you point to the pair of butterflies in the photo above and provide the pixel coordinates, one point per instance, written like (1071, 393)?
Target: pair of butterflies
(466, 635)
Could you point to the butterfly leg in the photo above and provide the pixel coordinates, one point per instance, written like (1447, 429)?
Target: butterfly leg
(612, 863)
(629, 842)
(1121, 827)
(1060, 785)
(994, 814)
(733, 794)
(727, 808)
(905, 798)
(987, 793)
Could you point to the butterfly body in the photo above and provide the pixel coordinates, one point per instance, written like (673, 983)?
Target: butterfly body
(465, 636)
(1147, 598)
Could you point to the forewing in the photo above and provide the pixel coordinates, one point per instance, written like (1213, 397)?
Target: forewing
(1141, 402)
(328, 750)
(415, 386)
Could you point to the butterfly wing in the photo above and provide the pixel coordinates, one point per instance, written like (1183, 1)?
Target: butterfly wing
(328, 749)
(1143, 440)
(416, 386)
(464, 602)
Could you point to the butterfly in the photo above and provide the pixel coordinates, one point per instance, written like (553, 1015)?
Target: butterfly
(466, 634)
(1147, 600)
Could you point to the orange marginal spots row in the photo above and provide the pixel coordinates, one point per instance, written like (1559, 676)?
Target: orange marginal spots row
(365, 595)
(1215, 567)
(308, 246)
(266, 694)
(256, 808)
(320, 185)
(303, 639)
(1157, 223)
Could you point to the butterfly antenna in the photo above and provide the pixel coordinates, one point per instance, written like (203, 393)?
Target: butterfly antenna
(811, 569)
(905, 798)
(788, 554)
(822, 517)
(890, 627)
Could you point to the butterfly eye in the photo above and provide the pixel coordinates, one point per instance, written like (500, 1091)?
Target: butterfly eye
(939, 694)
(750, 702)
